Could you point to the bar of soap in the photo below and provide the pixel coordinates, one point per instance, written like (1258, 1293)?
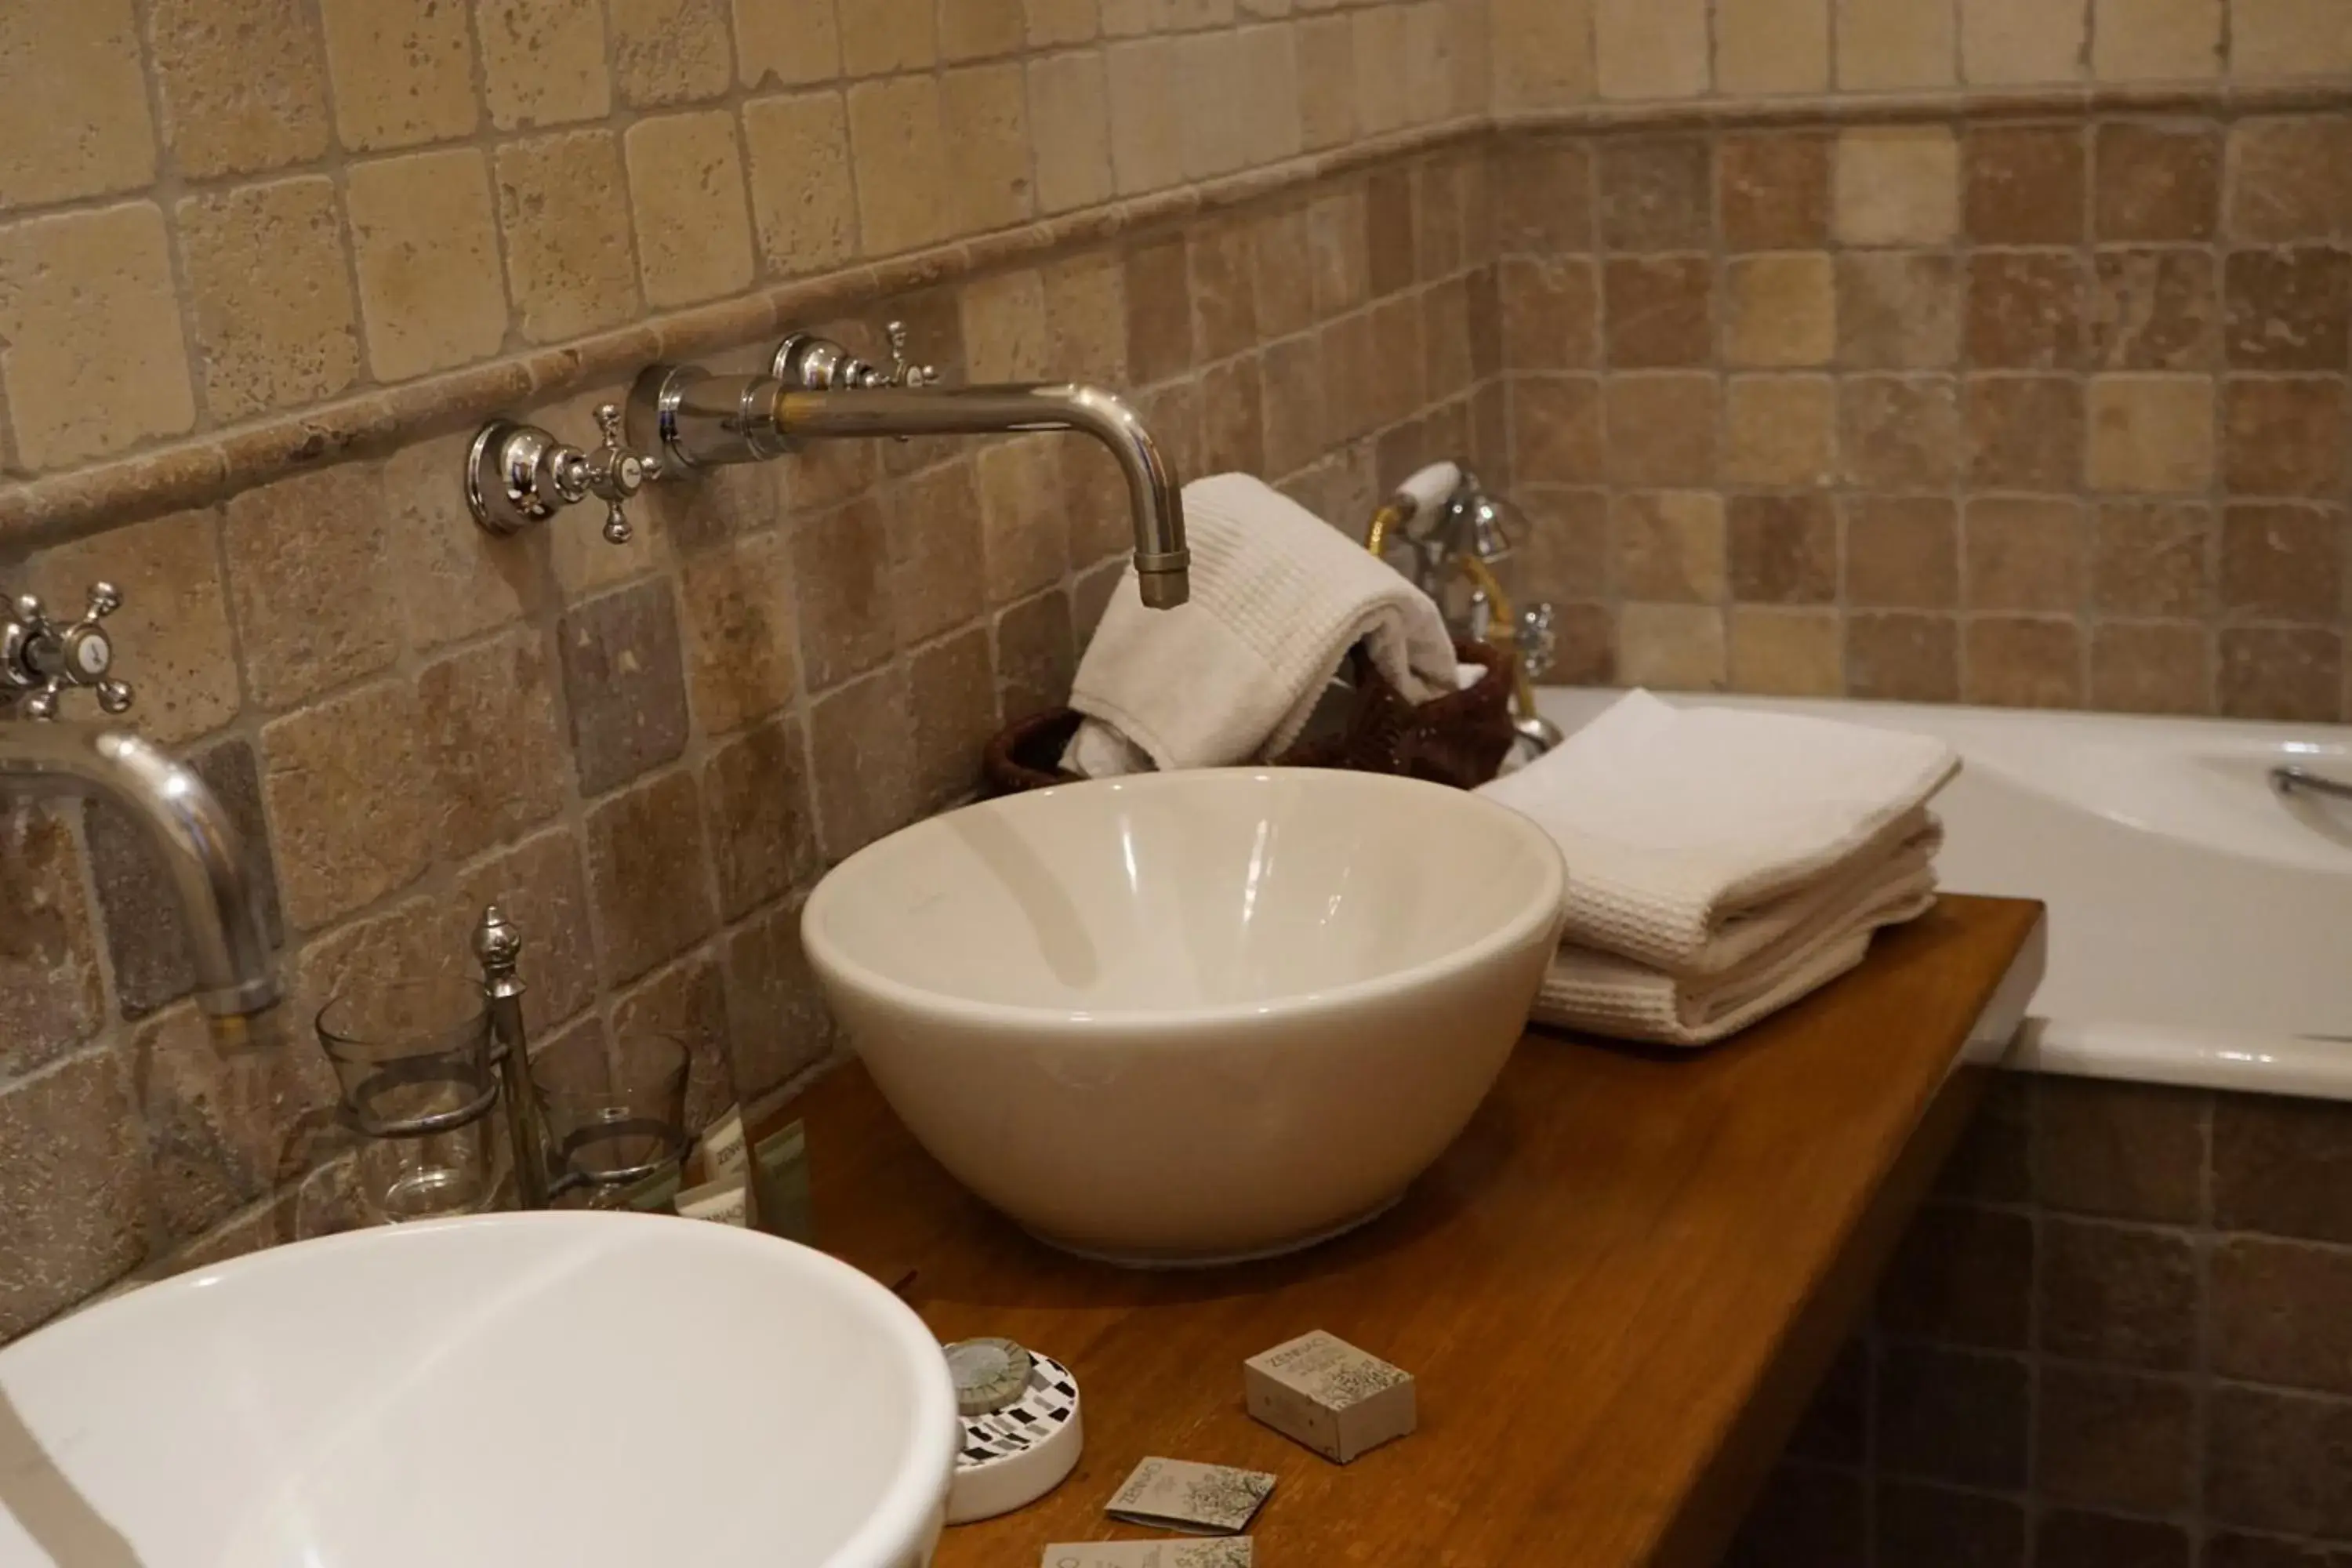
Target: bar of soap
(1323, 1392)
(1228, 1552)
(1176, 1494)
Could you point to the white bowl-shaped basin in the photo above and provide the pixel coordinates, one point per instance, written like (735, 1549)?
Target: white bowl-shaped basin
(523, 1391)
(1192, 1016)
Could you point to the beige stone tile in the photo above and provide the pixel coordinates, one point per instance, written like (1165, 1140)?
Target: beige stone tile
(1668, 546)
(1268, 111)
(1327, 82)
(2016, 42)
(2151, 434)
(52, 993)
(307, 558)
(985, 109)
(93, 355)
(879, 35)
(1897, 186)
(2156, 40)
(1147, 115)
(426, 249)
(1380, 70)
(1542, 52)
(786, 43)
(804, 203)
(671, 51)
(349, 799)
(1888, 44)
(570, 265)
(686, 190)
(1208, 67)
(1005, 334)
(171, 637)
(1787, 653)
(243, 84)
(1085, 307)
(1650, 48)
(403, 71)
(1024, 530)
(980, 29)
(543, 61)
(1052, 22)
(1771, 46)
(73, 1201)
(647, 875)
(269, 295)
(742, 635)
(1674, 647)
(1069, 107)
(1782, 310)
(1433, 31)
(73, 105)
(899, 143)
(2289, 37)
(1780, 430)
(452, 579)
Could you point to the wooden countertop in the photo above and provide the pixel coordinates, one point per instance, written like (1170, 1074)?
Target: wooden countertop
(1616, 1291)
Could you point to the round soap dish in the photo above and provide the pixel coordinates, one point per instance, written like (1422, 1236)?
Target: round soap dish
(1017, 1453)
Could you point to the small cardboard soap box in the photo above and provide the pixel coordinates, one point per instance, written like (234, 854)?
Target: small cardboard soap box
(1321, 1390)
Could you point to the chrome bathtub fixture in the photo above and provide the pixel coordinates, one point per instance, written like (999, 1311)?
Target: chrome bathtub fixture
(693, 419)
(1464, 556)
(2292, 780)
(196, 845)
(519, 475)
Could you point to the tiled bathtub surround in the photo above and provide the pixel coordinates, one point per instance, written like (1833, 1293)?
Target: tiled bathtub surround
(2035, 412)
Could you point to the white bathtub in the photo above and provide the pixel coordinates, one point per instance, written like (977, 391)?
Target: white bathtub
(2201, 923)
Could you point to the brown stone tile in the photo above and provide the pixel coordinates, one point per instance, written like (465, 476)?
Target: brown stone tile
(1551, 313)
(1961, 1276)
(2289, 674)
(2157, 180)
(935, 532)
(2023, 185)
(953, 691)
(755, 792)
(842, 563)
(1483, 308)
(1158, 311)
(1564, 555)
(1388, 219)
(1787, 653)
(1291, 404)
(1224, 289)
(1437, 206)
(1783, 550)
(1930, 1527)
(1899, 433)
(492, 749)
(2153, 558)
(1902, 658)
(1086, 312)
(1661, 429)
(2284, 437)
(2114, 1441)
(88, 57)
(1587, 637)
(1902, 554)
(2279, 1462)
(2283, 1167)
(270, 295)
(2288, 310)
(538, 885)
(687, 1003)
(2224, 1549)
(2120, 1295)
(310, 609)
(1674, 647)
(452, 579)
(1656, 194)
(647, 875)
(1994, 1161)
(1660, 313)
(776, 1015)
(1898, 310)
(1780, 430)
(2155, 309)
(623, 683)
(350, 800)
(2280, 1314)
(2084, 1539)
(862, 758)
(1773, 188)
(1806, 1517)
(1036, 655)
(1094, 500)
(2150, 434)
(1400, 394)
(1447, 350)
(1898, 185)
(1337, 233)
(740, 633)
(2282, 563)
(51, 993)
(243, 85)
(2119, 1149)
(1547, 208)
(1024, 537)
(1667, 545)
(73, 1200)
(2293, 178)
(2025, 311)
(2018, 663)
(2026, 555)
(223, 1131)
(2151, 669)
(1557, 424)
(1781, 310)
(2025, 433)
(1952, 1415)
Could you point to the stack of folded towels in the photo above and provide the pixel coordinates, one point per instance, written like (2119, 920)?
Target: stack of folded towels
(1723, 863)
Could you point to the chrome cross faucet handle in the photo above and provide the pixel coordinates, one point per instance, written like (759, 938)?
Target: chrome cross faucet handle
(41, 659)
(517, 476)
(902, 373)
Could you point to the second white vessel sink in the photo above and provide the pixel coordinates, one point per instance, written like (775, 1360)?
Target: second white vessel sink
(1193, 1017)
(517, 1391)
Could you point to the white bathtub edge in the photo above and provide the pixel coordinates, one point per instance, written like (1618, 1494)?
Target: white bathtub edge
(2143, 1053)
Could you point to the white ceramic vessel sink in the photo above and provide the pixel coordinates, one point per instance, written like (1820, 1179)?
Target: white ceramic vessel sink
(1192, 1016)
(571, 1390)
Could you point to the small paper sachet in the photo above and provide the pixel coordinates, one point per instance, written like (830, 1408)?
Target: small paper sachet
(1203, 1500)
(1227, 1551)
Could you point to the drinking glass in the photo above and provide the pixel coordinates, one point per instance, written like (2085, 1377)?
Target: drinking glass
(412, 1061)
(616, 1118)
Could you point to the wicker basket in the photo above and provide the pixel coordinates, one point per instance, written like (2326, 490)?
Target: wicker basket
(1459, 738)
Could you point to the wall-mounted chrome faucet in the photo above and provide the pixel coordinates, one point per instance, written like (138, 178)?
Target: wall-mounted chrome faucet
(682, 419)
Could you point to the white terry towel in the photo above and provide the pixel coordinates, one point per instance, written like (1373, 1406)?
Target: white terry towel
(1606, 994)
(1684, 829)
(1278, 597)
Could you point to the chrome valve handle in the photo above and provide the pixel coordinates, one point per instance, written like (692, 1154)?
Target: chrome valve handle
(902, 373)
(40, 660)
(517, 476)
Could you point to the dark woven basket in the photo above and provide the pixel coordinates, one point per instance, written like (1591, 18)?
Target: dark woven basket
(1459, 738)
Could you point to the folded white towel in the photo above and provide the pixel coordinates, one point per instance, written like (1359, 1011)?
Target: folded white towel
(1684, 826)
(1278, 597)
(1606, 994)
